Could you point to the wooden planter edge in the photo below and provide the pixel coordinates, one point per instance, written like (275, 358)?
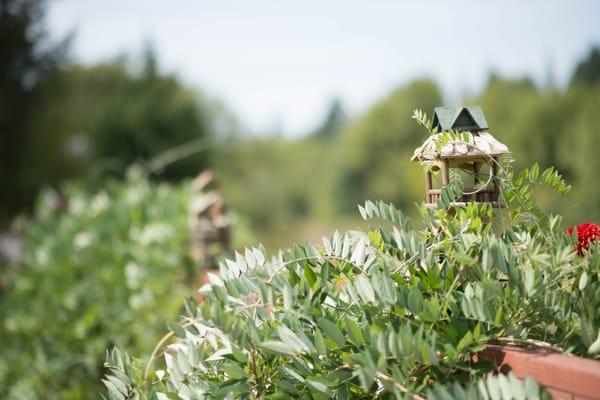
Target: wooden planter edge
(565, 376)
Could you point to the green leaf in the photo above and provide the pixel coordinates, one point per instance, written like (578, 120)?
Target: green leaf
(320, 342)
(595, 347)
(583, 279)
(431, 310)
(293, 373)
(325, 273)
(310, 275)
(176, 329)
(534, 173)
(332, 331)
(295, 344)
(354, 331)
(319, 384)
(278, 347)
(238, 354)
(415, 301)
(116, 387)
(288, 297)
(465, 341)
(113, 391)
(367, 371)
(234, 371)
(494, 388)
(529, 280)
(364, 289)
(532, 388)
(517, 389)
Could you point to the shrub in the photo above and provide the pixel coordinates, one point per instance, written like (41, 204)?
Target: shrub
(107, 271)
(390, 313)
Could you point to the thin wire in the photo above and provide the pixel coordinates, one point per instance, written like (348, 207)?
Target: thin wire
(482, 187)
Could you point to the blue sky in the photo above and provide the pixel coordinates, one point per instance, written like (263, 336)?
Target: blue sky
(279, 63)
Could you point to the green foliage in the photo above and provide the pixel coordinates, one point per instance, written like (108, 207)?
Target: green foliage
(127, 115)
(588, 70)
(552, 128)
(102, 272)
(519, 196)
(375, 151)
(391, 312)
(498, 387)
(93, 120)
(545, 125)
(277, 185)
(120, 384)
(332, 125)
(382, 210)
(29, 64)
(576, 151)
(61, 121)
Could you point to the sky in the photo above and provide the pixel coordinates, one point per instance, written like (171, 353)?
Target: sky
(277, 64)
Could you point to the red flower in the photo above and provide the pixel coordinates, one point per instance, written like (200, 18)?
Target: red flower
(586, 234)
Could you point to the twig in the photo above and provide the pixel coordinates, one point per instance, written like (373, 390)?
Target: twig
(402, 388)
(527, 342)
(174, 154)
(158, 346)
(284, 264)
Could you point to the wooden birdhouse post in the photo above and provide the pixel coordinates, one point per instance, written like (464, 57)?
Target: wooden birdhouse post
(477, 161)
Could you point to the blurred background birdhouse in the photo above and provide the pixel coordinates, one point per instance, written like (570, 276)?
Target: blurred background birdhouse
(475, 161)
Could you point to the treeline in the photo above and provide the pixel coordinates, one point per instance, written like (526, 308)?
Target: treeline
(63, 121)
(322, 177)
(60, 120)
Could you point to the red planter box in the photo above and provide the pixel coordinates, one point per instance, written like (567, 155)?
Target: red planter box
(565, 376)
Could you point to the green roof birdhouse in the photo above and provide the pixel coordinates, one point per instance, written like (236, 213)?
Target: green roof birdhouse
(477, 161)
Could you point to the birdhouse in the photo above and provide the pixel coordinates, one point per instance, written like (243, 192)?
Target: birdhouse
(476, 161)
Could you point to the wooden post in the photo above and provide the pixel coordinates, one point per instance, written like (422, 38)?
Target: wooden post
(476, 195)
(428, 186)
(445, 172)
(496, 196)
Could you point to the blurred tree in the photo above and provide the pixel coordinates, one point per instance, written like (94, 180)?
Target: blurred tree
(587, 71)
(259, 182)
(507, 104)
(578, 149)
(28, 67)
(333, 123)
(552, 128)
(377, 149)
(130, 115)
(580, 136)
(60, 121)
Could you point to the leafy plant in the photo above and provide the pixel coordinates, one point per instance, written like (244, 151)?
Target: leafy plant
(389, 313)
(100, 273)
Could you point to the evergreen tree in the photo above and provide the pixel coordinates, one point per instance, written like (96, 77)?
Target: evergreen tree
(587, 71)
(333, 122)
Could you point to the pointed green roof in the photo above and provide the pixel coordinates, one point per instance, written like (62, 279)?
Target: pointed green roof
(468, 118)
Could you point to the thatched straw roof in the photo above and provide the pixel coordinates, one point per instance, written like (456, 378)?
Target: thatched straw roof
(483, 144)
